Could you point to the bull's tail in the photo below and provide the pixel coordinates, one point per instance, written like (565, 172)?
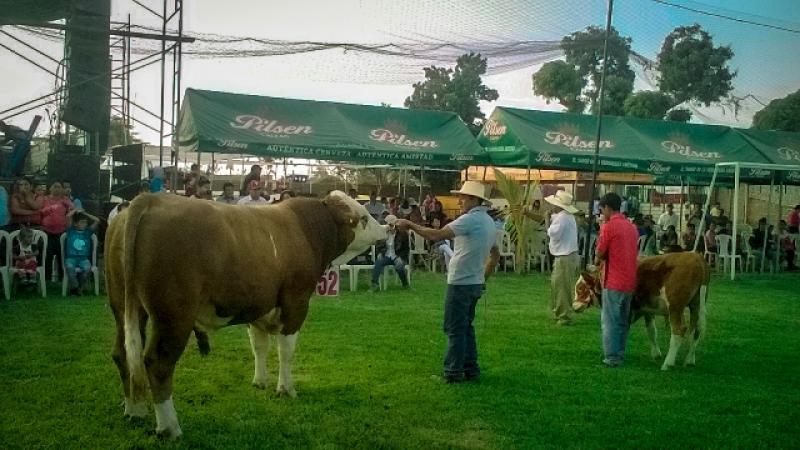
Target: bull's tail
(134, 310)
(203, 346)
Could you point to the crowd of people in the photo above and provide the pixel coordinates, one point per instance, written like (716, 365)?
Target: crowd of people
(55, 211)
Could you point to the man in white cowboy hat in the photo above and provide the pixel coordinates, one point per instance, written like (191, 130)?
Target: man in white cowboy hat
(474, 236)
(563, 234)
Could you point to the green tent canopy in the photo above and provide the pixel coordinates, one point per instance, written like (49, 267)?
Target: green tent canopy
(276, 127)
(780, 147)
(517, 138)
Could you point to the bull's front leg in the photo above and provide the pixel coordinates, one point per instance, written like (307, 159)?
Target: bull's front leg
(652, 333)
(259, 341)
(286, 344)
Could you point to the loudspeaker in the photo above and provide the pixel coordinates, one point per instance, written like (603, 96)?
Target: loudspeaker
(88, 101)
(126, 174)
(128, 154)
(82, 171)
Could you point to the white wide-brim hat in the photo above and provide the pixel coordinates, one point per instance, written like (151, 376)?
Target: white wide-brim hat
(563, 200)
(474, 189)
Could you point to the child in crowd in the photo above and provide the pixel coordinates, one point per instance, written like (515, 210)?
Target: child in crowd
(25, 256)
(78, 249)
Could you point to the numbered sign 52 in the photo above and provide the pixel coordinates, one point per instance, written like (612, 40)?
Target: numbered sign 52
(328, 285)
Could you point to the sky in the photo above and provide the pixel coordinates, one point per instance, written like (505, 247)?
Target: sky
(767, 61)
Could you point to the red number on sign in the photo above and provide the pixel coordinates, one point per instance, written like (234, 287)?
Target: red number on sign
(333, 281)
(322, 286)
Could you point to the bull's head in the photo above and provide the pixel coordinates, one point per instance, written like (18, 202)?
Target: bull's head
(365, 228)
(588, 291)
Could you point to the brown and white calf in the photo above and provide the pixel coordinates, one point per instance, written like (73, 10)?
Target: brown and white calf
(666, 285)
(235, 265)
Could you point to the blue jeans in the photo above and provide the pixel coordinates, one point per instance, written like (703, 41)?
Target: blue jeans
(459, 312)
(72, 265)
(615, 322)
(399, 267)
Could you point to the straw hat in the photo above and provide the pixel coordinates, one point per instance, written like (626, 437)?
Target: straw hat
(474, 189)
(563, 200)
(391, 219)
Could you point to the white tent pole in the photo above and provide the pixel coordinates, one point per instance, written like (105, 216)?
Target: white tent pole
(701, 227)
(780, 214)
(735, 218)
(680, 215)
(765, 242)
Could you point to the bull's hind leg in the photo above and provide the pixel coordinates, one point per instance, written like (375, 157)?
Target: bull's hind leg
(698, 325)
(285, 354)
(676, 338)
(163, 351)
(132, 409)
(259, 341)
(650, 324)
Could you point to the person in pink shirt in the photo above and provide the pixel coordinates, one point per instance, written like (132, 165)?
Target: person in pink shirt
(793, 220)
(617, 249)
(55, 208)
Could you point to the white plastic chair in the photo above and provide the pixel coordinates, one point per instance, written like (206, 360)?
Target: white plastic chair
(93, 269)
(349, 269)
(388, 270)
(725, 253)
(356, 268)
(39, 240)
(5, 270)
(506, 249)
(750, 259)
(417, 251)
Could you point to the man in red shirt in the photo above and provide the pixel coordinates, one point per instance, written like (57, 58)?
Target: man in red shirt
(617, 246)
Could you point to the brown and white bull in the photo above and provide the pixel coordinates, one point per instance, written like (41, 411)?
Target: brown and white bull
(665, 285)
(235, 265)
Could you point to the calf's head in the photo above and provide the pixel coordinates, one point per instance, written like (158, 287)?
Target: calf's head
(588, 291)
(365, 229)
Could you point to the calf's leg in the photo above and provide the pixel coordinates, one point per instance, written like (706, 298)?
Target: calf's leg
(652, 333)
(676, 339)
(698, 325)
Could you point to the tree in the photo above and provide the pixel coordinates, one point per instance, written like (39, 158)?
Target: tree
(584, 51)
(648, 105)
(679, 115)
(560, 81)
(459, 90)
(692, 68)
(781, 114)
(615, 91)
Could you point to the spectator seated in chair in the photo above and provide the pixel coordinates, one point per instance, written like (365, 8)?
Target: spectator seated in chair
(689, 236)
(711, 238)
(669, 240)
(786, 246)
(25, 255)
(395, 252)
(78, 249)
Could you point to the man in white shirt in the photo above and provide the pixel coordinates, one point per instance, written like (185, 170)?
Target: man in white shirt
(254, 198)
(563, 234)
(668, 218)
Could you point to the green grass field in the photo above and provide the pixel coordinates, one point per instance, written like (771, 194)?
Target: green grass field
(364, 367)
